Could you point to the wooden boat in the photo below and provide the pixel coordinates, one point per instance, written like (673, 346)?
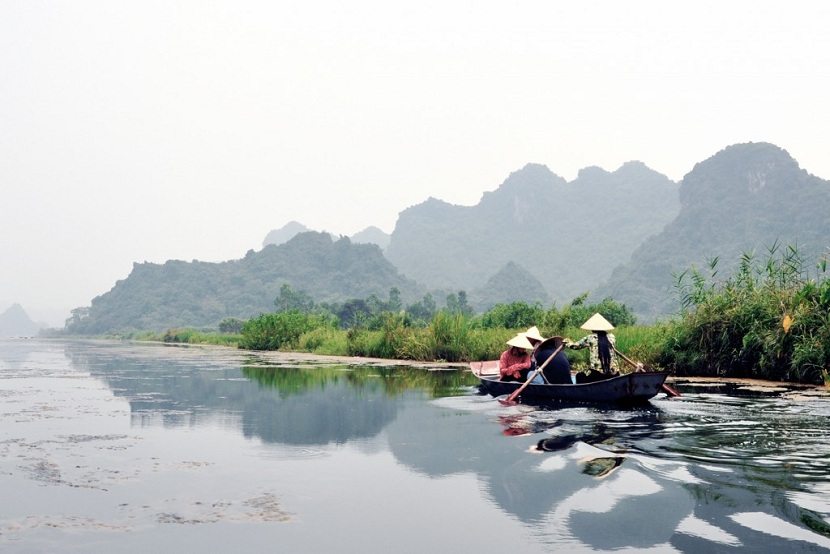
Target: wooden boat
(632, 388)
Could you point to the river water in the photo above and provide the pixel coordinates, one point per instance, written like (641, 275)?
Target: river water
(117, 447)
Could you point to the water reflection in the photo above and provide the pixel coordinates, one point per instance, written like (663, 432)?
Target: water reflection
(314, 404)
(749, 470)
(391, 381)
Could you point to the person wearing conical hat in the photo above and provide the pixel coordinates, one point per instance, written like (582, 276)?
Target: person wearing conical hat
(600, 342)
(534, 336)
(558, 371)
(514, 362)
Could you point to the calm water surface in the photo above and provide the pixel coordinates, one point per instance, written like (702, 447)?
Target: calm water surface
(111, 447)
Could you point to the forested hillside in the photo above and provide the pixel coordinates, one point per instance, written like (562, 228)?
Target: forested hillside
(745, 198)
(177, 293)
(536, 238)
(569, 236)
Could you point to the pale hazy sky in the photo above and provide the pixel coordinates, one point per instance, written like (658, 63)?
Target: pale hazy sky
(133, 131)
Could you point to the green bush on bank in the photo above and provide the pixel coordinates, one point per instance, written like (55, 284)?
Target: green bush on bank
(450, 337)
(280, 330)
(769, 320)
(327, 341)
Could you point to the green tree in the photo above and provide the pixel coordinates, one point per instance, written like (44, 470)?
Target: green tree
(231, 325)
(424, 309)
(353, 313)
(513, 315)
(394, 304)
(458, 304)
(74, 324)
(289, 300)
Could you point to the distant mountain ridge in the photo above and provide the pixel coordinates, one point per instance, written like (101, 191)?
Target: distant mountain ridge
(178, 293)
(569, 236)
(537, 237)
(744, 198)
(369, 235)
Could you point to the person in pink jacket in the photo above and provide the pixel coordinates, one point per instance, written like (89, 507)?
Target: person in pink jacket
(514, 362)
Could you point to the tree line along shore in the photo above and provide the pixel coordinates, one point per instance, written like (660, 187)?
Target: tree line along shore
(770, 320)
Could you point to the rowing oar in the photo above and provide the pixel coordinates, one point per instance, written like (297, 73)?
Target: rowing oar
(639, 367)
(510, 399)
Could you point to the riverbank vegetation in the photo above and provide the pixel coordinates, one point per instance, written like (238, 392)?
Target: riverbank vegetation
(384, 329)
(769, 320)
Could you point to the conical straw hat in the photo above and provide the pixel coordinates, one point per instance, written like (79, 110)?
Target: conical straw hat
(597, 323)
(520, 341)
(533, 333)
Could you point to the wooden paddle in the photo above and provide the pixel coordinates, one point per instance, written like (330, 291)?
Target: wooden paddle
(517, 392)
(639, 367)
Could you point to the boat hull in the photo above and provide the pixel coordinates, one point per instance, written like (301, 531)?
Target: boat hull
(631, 389)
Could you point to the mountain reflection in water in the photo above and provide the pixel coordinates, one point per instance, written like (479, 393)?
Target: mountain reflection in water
(704, 472)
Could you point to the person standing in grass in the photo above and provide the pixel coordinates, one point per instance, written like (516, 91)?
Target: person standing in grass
(600, 342)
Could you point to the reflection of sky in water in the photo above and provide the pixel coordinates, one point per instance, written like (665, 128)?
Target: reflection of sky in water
(147, 447)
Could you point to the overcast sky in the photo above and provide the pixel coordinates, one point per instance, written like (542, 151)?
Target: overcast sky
(147, 131)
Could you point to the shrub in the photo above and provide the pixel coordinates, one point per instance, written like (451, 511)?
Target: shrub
(512, 316)
(280, 330)
(231, 325)
(575, 313)
(737, 327)
(327, 341)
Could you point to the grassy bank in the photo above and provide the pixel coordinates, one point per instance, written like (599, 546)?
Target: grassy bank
(184, 336)
(770, 320)
(448, 336)
(446, 341)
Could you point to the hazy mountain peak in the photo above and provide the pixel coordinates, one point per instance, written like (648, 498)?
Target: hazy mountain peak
(312, 238)
(371, 235)
(744, 198)
(753, 168)
(628, 174)
(15, 322)
(511, 283)
(591, 172)
(531, 177)
(284, 233)
(522, 192)
(438, 208)
(636, 167)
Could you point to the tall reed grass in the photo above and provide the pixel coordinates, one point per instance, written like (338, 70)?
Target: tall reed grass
(768, 320)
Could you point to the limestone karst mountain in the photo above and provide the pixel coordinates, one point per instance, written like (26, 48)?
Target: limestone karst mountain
(745, 198)
(178, 293)
(569, 236)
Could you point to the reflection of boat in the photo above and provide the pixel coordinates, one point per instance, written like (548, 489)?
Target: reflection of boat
(631, 388)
